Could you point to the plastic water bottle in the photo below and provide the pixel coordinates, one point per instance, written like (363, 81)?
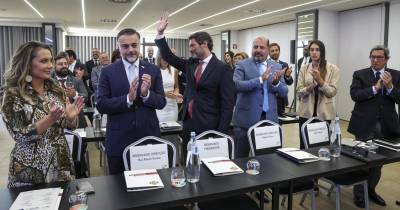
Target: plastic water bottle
(193, 164)
(336, 141)
(96, 122)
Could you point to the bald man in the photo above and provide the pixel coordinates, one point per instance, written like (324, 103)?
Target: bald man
(257, 81)
(150, 55)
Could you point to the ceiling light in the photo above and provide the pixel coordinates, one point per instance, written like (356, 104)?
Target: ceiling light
(27, 2)
(126, 15)
(83, 13)
(219, 13)
(172, 14)
(268, 13)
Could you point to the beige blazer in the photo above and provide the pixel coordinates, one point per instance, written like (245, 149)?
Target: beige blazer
(326, 99)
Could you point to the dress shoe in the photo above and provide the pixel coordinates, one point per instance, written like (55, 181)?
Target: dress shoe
(376, 198)
(360, 203)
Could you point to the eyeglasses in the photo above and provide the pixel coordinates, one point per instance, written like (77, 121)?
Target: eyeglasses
(378, 58)
(126, 46)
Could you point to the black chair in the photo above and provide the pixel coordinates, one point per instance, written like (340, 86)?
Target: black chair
(257, 148)
(78, 149)
(238, 202)
(337, 181)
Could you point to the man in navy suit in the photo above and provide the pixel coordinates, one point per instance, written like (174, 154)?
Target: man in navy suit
(209, 93)
(129, 91)
(258, 81)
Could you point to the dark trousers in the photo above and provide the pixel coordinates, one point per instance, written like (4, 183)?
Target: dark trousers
(280, 102)
(115, 164)
(242, 147)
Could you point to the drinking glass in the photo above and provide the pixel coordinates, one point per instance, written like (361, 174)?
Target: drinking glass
(178, 178)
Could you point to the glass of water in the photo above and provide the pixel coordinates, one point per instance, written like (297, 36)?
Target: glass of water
(178, 178)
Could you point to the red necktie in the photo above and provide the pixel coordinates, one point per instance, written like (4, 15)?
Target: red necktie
(197, 76)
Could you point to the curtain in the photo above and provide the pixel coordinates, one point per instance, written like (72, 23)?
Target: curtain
(181, 46)
(82, 45)
(11, 37)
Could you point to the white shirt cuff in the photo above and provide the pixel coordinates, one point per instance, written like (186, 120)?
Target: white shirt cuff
(128, 102)
(261, 80)
(159, 36)
(146, 97)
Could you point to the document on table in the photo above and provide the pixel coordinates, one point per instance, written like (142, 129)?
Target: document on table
(221, 166)
(297, 155)
(170, 125)
(144, 179)
(44, 199)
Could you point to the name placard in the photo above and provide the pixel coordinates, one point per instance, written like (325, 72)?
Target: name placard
(151, 156)
(213, 147)
(317, 133)
(267, 137)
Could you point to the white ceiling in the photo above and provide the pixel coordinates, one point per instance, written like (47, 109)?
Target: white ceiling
(147, 12)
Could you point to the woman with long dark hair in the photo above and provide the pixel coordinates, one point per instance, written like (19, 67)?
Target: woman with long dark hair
(317, 87)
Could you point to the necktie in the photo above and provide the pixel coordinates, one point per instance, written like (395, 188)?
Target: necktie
(197, 77)
(96, 62)
(131, 74)
(377, 76)
(265, 107)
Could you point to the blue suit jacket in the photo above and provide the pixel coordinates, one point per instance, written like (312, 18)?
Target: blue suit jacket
(128, 124)
(250, 96)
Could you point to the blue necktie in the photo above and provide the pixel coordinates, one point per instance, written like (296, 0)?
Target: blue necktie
(261, 69)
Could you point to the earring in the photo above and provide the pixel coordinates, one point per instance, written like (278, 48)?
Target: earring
(28, 78)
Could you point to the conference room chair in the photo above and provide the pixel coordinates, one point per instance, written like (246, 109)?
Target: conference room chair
(76, 147)
(337, 181)
(92, 100)
(238, 202)
(258, 148)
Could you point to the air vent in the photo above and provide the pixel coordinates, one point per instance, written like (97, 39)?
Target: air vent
(257, 11)
(206, 25)
(121, 1)
(3, 10)
(105, 20)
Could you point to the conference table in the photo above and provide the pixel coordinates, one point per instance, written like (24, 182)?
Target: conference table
(110, 191)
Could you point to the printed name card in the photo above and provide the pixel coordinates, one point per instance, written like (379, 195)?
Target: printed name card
(317, 132)
(70, 142)
(151, 156)
(213, 147)
(267, 137)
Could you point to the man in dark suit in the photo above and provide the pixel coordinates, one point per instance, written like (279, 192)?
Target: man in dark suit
(95, 61)
(150, 55)
(375, 91)
(209, 94)
(303, 60)
(129, 92)
(274, 53)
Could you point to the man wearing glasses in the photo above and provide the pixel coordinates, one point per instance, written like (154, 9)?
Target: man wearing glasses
(375, 91)
(129, 92)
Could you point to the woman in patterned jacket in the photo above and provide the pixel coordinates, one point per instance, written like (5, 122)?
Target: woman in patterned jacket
(35, 111)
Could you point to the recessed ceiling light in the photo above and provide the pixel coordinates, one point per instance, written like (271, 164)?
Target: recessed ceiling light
(34, 9)
(83, 13)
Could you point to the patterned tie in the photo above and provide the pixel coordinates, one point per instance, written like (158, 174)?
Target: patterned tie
(261, 69)
(197, 77)
(62, 82)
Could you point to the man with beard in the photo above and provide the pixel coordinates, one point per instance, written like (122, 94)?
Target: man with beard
(150, 53)
(129, 91)
(209, 93)
(275, 52)
(258, 81)
(73, 87)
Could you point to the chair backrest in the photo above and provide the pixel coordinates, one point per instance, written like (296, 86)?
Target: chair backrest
(93, 100)
(264, 137)
(315, 132)
(147, 144)
(74, 142)
(213, 143)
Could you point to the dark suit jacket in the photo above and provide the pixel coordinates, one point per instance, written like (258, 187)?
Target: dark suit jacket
(213, 97)
(147, 60)
(300, 62)
(370, 108)
(289, 81)
(89, 66)
(128, 124)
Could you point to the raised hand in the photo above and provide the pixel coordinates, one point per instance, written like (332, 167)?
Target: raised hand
(288, 72)
(56, 112)
(73, 110)
(387, 80)
(163, 23)
(317, 76)
(266, 73)
(132, 89)
(276, 78)
(146, 83)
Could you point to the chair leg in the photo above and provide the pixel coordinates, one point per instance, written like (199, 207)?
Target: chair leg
(313, 204)
(365, 184)
(88, 162)
(283, 200)
(337, 197)
(330, 190)
(101, 158)
(303, 198)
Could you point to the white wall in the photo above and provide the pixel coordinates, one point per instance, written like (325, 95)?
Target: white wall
(359, 31)
(217, 45)
(280, 33)
(394, 34)
(328, 24)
